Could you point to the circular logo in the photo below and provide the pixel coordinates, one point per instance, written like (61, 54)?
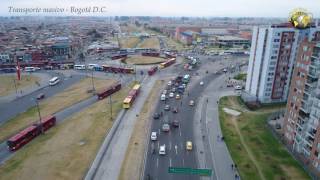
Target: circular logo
(300, 18)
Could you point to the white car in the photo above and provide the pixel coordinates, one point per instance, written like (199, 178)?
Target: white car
(171, 95)
(163, 97)
(164, 91)
(154, 136)
(238, 87)
(169, 83)
(162, 150)
(201, 83)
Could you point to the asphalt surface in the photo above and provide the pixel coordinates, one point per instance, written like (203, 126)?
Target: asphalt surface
(22, 104)
(175, 140)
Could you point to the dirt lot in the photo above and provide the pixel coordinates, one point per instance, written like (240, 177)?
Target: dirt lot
(144, 60)
(7, 83)
(67, 150)
(132, 164)
(150, 43)
(69, 96)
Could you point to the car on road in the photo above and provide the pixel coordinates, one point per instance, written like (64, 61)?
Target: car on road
(156, 116)
(225, 70)
(165, 127)
(178, 96)
(165, 92)
(169, 83)
(40, 96)
(162, 150)
(184, 86)
(154, 136)
(189, 145)
(167, 107)
(191, 103)
(175, 123)
(171, 94)
(201, 83)
(173, 90)
(175, 110)
(163, 97)
(238, 87)
(54, 81)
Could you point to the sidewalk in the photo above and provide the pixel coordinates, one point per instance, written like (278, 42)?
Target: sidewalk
(220, 154)
(44, 79)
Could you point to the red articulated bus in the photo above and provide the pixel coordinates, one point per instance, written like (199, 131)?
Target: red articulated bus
(152, 70)
(112, 69)
(120, 56)
(152, 54)
(128, 101)
(29, 133)
(108, 91)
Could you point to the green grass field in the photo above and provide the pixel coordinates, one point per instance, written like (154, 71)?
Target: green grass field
(253, 147)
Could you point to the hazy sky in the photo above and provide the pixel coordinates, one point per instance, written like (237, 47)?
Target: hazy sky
(229, 8)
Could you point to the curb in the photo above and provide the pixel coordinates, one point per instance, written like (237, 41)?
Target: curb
(103, 149)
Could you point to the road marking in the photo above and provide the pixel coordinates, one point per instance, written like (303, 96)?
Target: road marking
(157, 162)
(183, 162)
(176, 148)
(159, 131)
(170, 163)
(158, 144)
(180, 132)
(170, 145)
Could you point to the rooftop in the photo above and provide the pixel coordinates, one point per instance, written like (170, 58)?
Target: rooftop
(230, 38)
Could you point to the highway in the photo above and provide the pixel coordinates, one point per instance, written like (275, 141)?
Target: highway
(175, 140)
(10, 110)
(156, 166)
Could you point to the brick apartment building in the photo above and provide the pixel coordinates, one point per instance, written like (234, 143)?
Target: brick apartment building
(301, 124)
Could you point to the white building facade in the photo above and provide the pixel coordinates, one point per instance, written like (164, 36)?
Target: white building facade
(272, 56)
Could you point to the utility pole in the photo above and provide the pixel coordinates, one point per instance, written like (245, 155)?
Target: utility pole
(93, 88)
(15, 86)
(110, 101)
(38, 108)
(135, 73)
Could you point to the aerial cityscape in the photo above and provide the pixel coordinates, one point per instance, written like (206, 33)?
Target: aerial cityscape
(141, 90)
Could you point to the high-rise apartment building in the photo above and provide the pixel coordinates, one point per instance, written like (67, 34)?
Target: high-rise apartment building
(272, 57)
(301, 123)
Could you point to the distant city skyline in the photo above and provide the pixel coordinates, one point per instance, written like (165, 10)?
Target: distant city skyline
(177, 8)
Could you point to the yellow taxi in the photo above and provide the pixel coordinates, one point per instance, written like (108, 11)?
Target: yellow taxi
(189, 145)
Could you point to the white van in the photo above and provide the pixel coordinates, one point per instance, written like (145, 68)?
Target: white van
(29, 69)
(54, 81)
(162, 150)
(80, 67)
(163, 97)
(91, 66)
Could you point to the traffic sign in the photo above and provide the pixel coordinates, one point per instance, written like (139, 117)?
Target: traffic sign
(179, 170)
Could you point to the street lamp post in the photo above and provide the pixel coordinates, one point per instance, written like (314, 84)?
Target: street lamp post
(15, 86)
(135, 73)
(93, 88)
(38, 108)
(110, 101)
